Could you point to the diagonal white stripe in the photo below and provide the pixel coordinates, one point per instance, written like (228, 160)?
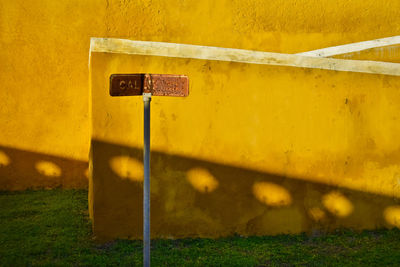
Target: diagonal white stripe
(112, 45)
(353, 47)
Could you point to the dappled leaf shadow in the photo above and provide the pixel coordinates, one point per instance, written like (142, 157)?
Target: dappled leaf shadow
(236, 200)
(20, 170)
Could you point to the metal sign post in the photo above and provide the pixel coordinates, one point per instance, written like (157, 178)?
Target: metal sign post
(146, 184)
(148, 85)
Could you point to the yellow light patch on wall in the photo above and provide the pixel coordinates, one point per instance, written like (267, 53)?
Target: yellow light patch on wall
(337, 204)
(272, 194)
(86, 173)
(317, 214)
(4, 159)
(202, 180)
(48, 168)
(392, 215)
(127, 168)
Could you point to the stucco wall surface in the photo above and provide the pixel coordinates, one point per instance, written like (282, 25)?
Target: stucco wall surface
(45, 118)
(252, 150)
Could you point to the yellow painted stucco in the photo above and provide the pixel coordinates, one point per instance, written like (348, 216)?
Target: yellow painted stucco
(252, 150)
(309, 132)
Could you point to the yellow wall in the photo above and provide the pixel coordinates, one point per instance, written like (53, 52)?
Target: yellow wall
(44, 91)
(253, 150)
(44, 55)
(44, 79)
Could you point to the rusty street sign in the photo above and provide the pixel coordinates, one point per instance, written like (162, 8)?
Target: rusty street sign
(155, 84)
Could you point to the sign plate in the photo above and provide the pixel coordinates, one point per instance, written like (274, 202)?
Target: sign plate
(156, 84)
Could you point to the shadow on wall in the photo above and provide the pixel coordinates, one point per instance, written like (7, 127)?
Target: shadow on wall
(196, 198)
(20, 170)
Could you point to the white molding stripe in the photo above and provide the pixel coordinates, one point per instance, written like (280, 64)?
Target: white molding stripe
(353, 47)
(124, 46)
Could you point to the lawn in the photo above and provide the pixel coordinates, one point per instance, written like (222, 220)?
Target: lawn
(52, 228)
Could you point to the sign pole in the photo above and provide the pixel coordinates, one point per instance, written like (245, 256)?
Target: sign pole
(146, 186)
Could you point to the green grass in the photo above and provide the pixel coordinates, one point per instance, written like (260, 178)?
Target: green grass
(51, 228)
